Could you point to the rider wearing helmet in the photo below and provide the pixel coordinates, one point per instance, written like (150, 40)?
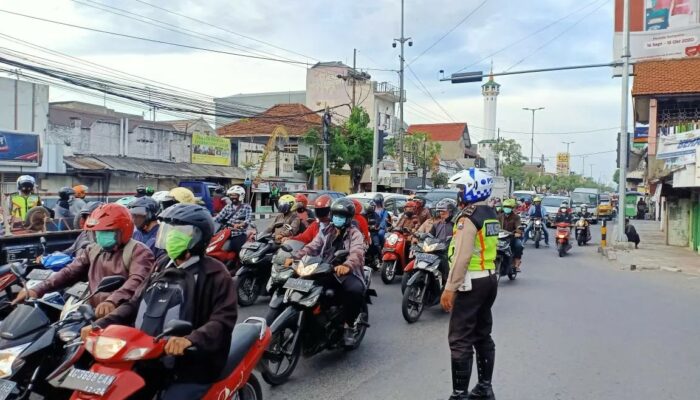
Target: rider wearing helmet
(287, 219)
(361, 221)
(113, 253)
(150, 191)
(207, 301)
(78, 201)
(443, 229)
(563, 213)
(342, 234)
(236, 216)
(24, 200)
(471, 285)
(584, 211)
(409, 220)
(536, 211)
(510, 221)
(85, 237)
(382, 220)
(61, 210)
(301, 205)
(143, 212)
(322, 209)
(140, 191)
(421, 211)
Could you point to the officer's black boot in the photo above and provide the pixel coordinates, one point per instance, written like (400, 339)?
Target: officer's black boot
(484, 366)
(461, 372)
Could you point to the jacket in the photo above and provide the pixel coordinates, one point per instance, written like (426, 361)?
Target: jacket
(19, 205)
(309, 233)
(411, 223)
(76, 205)
(323, 246)
(382, 217)
(533, 212)
(442, 229)
(290, 219)
(215, 315)
(364, 226)
(106, 264)
(509, 222)
(81, 242)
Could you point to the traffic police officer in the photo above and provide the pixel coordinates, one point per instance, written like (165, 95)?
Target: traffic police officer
(24, 200)
(471, 286)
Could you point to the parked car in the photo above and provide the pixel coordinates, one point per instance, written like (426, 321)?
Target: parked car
(393, 202)
(551, 206)
(525, 194)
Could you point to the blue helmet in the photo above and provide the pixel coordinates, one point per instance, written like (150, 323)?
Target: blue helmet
(474, 184)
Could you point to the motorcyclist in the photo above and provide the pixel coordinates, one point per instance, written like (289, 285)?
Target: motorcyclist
(382, 219)
(24, 200)
(78, 201)
(361, 220)
(443, 229)
(510, 221)
(563, 214)
(140, 191)
(536, 211)
(322, 209)
(209, 304)
(302, 203)
(237, 216)
(422, 212)
(150, 191)
(341, 234)
(472, 286)
(584, 211)
(426, 226)
(85, 237)
(114, 252)
(287, 217)
(219, 199)
(523, 206)
(143, 212)
(409, 220)
(62, 211)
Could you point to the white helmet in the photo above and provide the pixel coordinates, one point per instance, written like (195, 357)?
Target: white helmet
(236, 190)
(474, 184)
(25, 180)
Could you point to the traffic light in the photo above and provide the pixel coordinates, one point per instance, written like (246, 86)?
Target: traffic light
(326, 127)
(380, 148)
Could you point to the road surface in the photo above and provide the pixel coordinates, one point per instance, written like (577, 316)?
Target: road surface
(571, 328)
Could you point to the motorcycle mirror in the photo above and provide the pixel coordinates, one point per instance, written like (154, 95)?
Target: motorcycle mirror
(42, 240)
(176, 327)
(87, 312)
(287, 248)
(110, 283)
(279, 224)
(288, 227)
(18, 269)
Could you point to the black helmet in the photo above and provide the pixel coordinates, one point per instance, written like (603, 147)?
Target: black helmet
(65, 193)
(192, 215)
(343, 207)
(144, 206)
(89, 208)
(378, 199)
(371, 206)
(141, 189)
(448, 205)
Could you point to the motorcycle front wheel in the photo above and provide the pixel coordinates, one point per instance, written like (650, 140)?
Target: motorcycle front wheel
(361, 325)
(248, 290)
(404, 281)
(562, 249)
(250, 391)
(281, 357)
(412, 304)
(389, 271)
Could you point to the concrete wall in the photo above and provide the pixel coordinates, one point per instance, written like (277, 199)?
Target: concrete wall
(158, 144)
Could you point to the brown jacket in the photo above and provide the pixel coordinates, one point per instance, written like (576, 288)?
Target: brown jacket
(509, 222)
(292, 219)
(106, 264)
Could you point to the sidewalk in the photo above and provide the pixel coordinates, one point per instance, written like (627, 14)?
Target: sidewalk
(653, 253)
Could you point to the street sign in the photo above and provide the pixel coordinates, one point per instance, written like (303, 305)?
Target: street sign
(562, 163)
(464, 77)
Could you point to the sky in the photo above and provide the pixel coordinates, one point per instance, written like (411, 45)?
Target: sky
(512, 34)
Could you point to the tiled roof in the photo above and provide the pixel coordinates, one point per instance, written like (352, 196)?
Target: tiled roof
(441, 132)
(666, 77)
(296, 118)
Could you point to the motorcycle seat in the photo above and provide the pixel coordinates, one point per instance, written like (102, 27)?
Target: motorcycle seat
(242, 339)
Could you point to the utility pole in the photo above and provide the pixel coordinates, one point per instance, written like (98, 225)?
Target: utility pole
(354, 65)
(326, 141)
(542, 168)
(568, 155)
(498, 153)
(532, 139)
(623, 121)
(591, 165)
(425, 162)
(583, 165)
(401, 40)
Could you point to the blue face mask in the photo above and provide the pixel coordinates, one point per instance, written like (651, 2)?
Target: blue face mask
(507, 210)
(339, 221)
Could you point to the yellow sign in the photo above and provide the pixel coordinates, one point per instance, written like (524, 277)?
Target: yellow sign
(211, 150)
(562, 163)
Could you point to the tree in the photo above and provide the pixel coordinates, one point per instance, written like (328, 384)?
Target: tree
(425, 152)
(350, 143)
(616, 176)
(511, 160)
(440, 179)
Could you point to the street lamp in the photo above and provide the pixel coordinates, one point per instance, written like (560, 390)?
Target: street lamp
(532, 140)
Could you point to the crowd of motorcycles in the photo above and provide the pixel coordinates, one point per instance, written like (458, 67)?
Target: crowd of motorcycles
(41, 351)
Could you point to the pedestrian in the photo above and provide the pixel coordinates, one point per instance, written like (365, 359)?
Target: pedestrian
(641, 208)
(471, 286)
(631, 232)
(274, 196)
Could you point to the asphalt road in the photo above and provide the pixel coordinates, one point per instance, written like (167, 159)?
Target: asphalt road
(567, 328)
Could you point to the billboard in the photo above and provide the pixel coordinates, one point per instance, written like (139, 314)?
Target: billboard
(19, 148)
(562, 163)
(659, 29)
(212, 150)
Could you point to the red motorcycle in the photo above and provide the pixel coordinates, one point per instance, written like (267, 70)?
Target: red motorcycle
(117, 348)
(563, 243)
(220, 248)
(394, 258)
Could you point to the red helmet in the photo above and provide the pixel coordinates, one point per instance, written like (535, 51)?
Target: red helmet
(358, 207)
(112, 217)
(323, 201)
(411, 203)
(301, 199)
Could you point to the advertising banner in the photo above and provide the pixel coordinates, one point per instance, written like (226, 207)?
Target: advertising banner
(659, 29)
(211, 150)
(679, 149)
(18, 148)
(562, 163)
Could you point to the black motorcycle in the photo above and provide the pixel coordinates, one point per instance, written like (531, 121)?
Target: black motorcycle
(504, 257)
(426, 281)
(256, 264)
(313, 318)
(31, 346)
(583, 231)
(536, 232)
(278, 277)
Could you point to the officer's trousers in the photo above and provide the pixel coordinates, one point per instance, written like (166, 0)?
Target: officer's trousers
(471, 321)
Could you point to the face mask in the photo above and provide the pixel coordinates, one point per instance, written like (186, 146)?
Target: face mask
(106, 239)
(409, 213)
(507, 210)
(176, 244)
(339, 221)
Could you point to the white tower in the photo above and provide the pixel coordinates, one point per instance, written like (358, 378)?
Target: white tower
(490, 90)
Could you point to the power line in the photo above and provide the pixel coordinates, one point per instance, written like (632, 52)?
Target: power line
(427, 92)
(463, 20)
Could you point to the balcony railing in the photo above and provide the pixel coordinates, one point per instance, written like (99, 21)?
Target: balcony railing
(387, 88)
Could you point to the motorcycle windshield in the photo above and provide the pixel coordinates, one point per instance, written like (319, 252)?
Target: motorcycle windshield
(23, 320)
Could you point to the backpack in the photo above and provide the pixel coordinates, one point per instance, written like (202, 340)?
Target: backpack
(94, 251)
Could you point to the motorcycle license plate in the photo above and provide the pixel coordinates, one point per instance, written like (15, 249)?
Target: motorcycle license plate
(6, 388)
(87, 381)
(300, 285)
(428, 258)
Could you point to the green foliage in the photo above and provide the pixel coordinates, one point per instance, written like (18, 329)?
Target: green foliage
(423, 149)
(616, 176)
(351, 144)
(440, 179)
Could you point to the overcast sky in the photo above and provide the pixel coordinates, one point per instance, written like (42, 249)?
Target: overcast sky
(329, 30)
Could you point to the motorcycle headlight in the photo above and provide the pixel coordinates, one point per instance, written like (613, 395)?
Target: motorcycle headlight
(103, 347)
(306, 270)
(136, 354)
(8, 357)
(428, 248)
(254, 260)
(392, 239)
(66, 335)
